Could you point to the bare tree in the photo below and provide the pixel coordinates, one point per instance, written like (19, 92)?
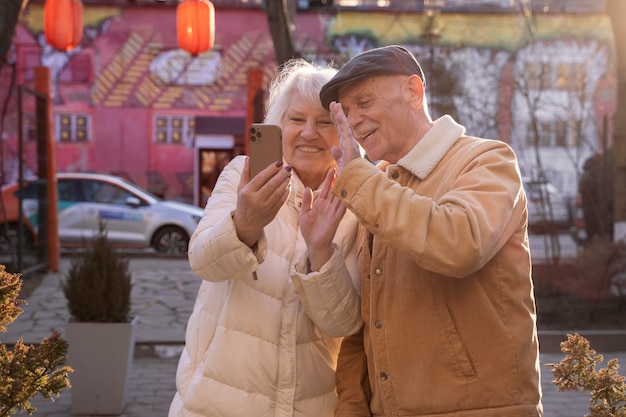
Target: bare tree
(9, 15)
(281, 20)
(555, 118)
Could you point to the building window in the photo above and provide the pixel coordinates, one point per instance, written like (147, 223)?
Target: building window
(539, 76)
(72, 127)
(541, 137)
(174, 129)
(532, 74)
(560, 130)
(574, 137)
(557, 133)
(570, 76)
(562, 75)
(545, 134)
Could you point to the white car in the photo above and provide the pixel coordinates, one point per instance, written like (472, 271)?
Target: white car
(548, 208)
(133, 217)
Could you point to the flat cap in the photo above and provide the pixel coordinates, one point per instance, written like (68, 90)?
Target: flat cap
(392, 59)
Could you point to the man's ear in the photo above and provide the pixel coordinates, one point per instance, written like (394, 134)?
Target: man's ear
(416, 89)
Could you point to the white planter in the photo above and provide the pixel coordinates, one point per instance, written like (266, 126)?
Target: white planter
(101, 355)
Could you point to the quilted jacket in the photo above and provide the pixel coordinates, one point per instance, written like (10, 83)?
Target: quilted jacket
(264, 347)
(447, 295)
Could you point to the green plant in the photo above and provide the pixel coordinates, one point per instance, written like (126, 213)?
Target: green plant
(98, 284)
(577, 372)
(25, 370)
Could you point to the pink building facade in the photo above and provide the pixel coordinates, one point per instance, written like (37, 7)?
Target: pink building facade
(129, 102)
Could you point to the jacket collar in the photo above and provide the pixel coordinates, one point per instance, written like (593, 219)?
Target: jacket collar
(424, 157)
(297, 191)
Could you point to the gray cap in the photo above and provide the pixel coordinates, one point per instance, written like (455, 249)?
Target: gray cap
(392, 59)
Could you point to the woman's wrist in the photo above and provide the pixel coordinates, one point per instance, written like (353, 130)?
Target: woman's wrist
(318, 257)
(248, 236)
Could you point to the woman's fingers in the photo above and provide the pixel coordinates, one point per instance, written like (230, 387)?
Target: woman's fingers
(328, 183)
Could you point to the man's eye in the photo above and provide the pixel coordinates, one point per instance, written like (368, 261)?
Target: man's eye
(325, 123)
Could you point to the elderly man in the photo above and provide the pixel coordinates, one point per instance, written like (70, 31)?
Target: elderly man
(447, 295)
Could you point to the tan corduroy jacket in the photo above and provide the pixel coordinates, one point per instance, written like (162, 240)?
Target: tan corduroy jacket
(447, 295)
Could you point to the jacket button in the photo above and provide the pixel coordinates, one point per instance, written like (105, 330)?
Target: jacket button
(395, 175)
(378, 271)
(384, 376)
(344, 193)
(379, 324)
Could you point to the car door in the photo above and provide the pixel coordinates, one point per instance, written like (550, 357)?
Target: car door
(70, 213)
(125, 224)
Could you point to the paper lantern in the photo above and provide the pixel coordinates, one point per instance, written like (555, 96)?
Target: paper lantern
(63, 23)
(195, 26)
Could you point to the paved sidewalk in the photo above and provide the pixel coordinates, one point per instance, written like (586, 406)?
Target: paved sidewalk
(163, 295)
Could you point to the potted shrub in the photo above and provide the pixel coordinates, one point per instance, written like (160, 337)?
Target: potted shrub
(101, 332)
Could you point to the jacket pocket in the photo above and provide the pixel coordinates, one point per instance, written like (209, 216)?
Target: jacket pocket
(461, 359)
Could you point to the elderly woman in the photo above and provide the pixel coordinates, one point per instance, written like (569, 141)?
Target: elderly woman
(280, 285)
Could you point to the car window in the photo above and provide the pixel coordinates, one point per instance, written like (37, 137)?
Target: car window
(102, 192)
(66, 191)
(30, 191)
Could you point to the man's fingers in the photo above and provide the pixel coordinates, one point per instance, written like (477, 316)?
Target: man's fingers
(336, 153)
(348, 143)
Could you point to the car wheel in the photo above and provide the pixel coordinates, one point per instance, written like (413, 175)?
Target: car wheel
(170, 240)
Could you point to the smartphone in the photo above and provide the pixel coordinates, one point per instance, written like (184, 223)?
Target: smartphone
(265, 146)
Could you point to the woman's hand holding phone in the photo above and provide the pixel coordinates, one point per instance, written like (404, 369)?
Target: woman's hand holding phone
(259, 199)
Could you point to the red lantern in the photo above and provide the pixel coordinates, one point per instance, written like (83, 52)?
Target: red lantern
(63, 23)
(195, 25)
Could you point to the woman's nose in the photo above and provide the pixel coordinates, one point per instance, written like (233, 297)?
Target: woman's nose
(309, 130)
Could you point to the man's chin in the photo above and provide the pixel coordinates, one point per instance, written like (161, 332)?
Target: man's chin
(373, 155)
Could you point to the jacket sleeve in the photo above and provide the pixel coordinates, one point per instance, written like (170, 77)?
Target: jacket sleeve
(215, 251)
(353, 386)
(482, 205)
(329, 295)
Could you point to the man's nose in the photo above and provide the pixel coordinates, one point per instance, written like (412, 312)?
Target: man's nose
(354, 118)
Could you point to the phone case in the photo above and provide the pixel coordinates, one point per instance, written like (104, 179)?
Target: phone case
(265, 146)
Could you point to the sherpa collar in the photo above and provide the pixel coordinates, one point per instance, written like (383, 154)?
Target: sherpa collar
(425, 156)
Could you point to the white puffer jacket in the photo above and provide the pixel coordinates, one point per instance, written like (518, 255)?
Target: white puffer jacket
(265, 347)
